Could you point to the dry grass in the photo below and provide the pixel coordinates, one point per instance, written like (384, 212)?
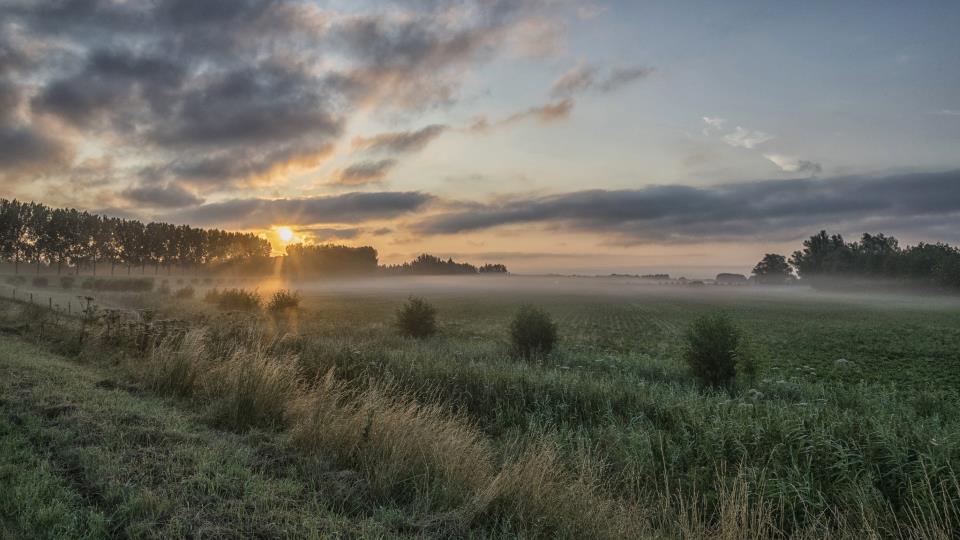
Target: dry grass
(419, 454)
(455, 478)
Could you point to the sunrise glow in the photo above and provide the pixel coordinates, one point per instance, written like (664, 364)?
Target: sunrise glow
(285, 234)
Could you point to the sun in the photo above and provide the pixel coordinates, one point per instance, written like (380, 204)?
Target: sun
(285, 234)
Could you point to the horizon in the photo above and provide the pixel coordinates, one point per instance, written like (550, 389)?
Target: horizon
(553, 136)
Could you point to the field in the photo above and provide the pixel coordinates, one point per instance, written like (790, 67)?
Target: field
(324, 421)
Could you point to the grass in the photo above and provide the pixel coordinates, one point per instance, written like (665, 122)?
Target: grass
(851, 429)
(83, 455)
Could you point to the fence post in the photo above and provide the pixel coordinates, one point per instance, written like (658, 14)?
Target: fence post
(31, 298)
(50, 303)
(68, 308)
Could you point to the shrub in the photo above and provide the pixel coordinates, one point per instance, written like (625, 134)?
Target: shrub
(164, 287)
(184, 292)
(16, 280)
(234, 299)
(283, 300)
(40, 281)
(532, 332)
(417, 318)
(66, 282)
(713, 350)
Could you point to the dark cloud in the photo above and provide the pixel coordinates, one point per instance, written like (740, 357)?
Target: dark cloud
(346, 208)
(167, 196)
(771, 209)
(365, 172)
(25, 149)
(267, 105)
(400, 142)
(223, 92)
(251, 167)
(587, 77)
(330, 233)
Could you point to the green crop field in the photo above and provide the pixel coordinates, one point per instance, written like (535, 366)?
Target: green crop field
(850, 427)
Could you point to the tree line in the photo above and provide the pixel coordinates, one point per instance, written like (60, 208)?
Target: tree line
(426, 264)
(73, 239)
(828, 258)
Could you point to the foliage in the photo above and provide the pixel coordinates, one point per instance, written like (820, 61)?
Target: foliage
(426, 264)
(492, 269)
(825, 258)
(40, 281)
(234, 299)
(417, 318)
(328, 259)
(713, 350)
(60, 236)
(725, 278)
(533, 332)
(849, 431)
(67, 282)
(773, 269)
(283, 300)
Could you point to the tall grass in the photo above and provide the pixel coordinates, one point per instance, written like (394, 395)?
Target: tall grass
(498, 447)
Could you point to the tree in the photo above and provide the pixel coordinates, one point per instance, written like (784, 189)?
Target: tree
(14, 224)
(773, 269)
(822, 254)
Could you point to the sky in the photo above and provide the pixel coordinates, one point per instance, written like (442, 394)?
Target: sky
(573, 136)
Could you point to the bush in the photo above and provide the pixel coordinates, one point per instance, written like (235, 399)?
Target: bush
(16, 280)
(66, 282)
(234, 299)
(283, 300)
(713, 350)
(532, 332)
(184, 293)
(40, 281)
(164, 288)
(417, 318)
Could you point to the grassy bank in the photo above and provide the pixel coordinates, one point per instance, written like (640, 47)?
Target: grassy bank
(609, 434)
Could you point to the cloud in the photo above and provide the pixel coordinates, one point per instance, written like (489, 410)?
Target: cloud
(545, 114)
(167, 196)
(948, 112)
(228, 93)
(27, 149)
(400, 142)
(794, 165)
(745, 138)
(749, 139)
(586, 77)
(320, 234)
(713, 124)
(262, 213)
(255, 167)
(768, 210)
(364, 172)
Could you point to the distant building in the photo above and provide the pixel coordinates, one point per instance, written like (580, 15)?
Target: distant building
(731, 279)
